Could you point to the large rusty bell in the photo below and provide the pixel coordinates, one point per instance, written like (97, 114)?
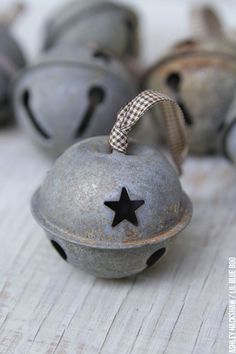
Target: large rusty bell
(112, 26)
(113, 208)
(200, 74)
(11, 60)
(72, 93)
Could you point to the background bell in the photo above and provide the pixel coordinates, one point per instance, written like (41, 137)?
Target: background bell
(113, 27)
(200, 74)
(71, 93)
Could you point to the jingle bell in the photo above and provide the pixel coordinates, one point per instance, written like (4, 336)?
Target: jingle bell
(200, 74)
(11, 60)
(113, 27)
(71, 93)
(113, 209)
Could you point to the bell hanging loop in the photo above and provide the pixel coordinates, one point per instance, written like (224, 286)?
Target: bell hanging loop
(173, 120)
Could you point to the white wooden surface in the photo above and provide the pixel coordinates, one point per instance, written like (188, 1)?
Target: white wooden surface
(177, 307)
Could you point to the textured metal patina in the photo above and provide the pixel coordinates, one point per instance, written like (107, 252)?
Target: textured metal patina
(204, 84)
(72, 93)
(70, 206)
(112, 26)
(200, 74)
(114, 213)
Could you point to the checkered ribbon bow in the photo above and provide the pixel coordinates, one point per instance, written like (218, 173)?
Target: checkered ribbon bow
(172, 115)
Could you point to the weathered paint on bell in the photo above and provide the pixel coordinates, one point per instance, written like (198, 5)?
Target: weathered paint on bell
(72, 93)
(200, 74)
(11, 61)
(201, 77)
(112, 26)
(74, 206)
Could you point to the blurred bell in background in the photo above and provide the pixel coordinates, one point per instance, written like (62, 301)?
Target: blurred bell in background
(11, 60)
(62, 31)
(200, 74)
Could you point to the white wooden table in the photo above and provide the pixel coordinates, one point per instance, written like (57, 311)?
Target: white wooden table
(177, 307)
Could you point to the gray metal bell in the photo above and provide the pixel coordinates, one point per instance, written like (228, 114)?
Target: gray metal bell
(112, 209)
(72, 93)
(111, 26)
(11, 60)
(200, 74)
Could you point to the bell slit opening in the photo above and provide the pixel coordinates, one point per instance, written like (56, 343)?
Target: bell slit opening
(156, 256)
(100, 54)
(25, 98)
(96, 96)
(59, 249)
(173, 81)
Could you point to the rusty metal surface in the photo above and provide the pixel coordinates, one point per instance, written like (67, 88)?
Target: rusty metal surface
(70, 206)
(207, 84)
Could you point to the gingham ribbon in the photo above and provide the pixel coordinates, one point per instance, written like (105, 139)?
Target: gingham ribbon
(172, 115)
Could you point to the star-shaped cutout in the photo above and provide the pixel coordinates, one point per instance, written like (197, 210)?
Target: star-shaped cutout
(124, 208)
